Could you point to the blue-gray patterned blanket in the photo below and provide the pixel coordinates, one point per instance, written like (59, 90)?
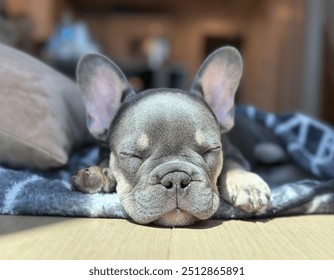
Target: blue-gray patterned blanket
(309, 143)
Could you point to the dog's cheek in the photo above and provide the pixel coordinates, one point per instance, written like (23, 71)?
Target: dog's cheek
(123, 186)
(130, 167)
(203, 203)
(215, 165)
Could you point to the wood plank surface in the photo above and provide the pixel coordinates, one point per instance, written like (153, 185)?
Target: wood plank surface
(29, 237)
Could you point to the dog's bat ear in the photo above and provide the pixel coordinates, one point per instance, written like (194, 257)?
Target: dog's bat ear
(217, 81)
(103, 86)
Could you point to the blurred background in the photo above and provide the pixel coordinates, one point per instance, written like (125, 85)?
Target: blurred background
(287, 45)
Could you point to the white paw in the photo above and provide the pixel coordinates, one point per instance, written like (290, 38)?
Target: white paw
(246, 190)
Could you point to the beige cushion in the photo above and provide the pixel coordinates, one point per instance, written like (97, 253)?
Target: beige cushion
(42, 117)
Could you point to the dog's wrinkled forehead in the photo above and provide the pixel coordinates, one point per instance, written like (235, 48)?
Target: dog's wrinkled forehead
(164, 113)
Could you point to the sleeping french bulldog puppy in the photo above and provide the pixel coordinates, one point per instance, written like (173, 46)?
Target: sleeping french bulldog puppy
(162, 149)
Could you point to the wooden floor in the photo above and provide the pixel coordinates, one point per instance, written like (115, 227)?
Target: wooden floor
(27, 237)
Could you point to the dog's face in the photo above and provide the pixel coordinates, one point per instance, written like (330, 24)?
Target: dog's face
(166, 156)
(166, 151)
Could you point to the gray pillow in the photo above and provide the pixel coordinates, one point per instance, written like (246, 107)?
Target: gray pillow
(42, 116)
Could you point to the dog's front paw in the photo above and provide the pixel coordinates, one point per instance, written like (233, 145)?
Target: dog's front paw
(93, 180)
(246, 190)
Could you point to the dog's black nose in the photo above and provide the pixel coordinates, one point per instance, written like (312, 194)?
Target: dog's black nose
(176, 179)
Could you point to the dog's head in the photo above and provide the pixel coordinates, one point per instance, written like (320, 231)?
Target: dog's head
(166, 150)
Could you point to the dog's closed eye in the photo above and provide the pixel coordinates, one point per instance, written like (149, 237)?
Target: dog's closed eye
(206, 151)
(132, 155)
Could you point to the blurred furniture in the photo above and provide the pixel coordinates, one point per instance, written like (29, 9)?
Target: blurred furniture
(282, 42)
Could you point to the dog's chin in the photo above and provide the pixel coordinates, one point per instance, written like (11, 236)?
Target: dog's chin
(176, 217)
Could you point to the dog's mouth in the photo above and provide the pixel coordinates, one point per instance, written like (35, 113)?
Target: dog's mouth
(177, 217)
(175, 206)
(174, 194)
